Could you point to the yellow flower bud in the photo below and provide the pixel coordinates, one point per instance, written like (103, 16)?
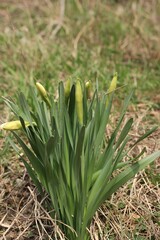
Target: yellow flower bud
(113, 84)
(112, 87)
(13, 125)
(88, 89)
(79, 102)
(41, 90)
(43, 93)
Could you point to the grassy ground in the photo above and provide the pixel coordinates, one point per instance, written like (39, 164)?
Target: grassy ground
(53, 40)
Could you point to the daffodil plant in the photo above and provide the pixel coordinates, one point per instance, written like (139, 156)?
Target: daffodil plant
(68, 154)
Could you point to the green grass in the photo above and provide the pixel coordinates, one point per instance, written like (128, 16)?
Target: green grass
(107, 43)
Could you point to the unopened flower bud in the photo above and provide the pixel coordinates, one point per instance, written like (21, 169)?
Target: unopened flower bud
(79, 102)
(113, 84)
(43, 93)
(88, 89)
(41, 90)
(13, 125)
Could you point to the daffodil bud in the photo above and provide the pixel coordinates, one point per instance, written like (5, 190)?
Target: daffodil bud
(41, 90)
(112, 87)
(113, 84)
(88, 89)
(13, 125)
(43, 93)
(79, 102)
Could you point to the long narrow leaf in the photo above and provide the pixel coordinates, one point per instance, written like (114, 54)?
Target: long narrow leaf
(127, 174)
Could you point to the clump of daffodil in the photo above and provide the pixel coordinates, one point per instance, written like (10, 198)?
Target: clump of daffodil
(42, 91)
(13, 125)
(66, 154)
(79, 101)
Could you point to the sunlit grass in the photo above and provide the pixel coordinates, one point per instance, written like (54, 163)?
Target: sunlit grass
(93, 41)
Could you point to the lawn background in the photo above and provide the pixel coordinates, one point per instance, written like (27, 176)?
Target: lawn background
(50, 41)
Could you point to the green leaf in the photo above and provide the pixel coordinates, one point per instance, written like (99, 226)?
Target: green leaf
(144, 136)
(25, 108)
(104, 119)
(31, 172)
(37, 165)
(127, 174)
(112, 186)
(68, 129)
(78, 157)
(61, 108)
(124, 132)
(50, 146)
